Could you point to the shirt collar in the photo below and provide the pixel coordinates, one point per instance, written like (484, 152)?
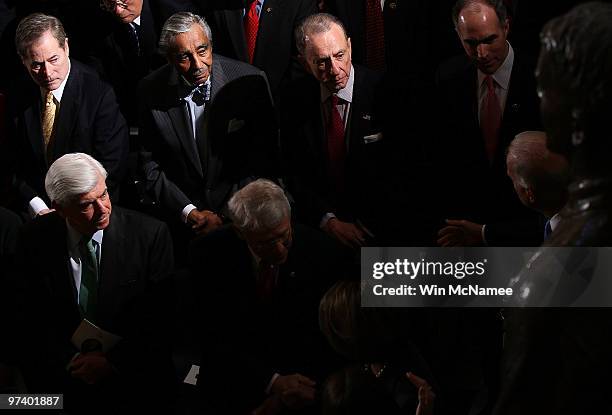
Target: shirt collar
(74, 236)
(59, 92)
(554, 221)
(345, 93)
(503, 73)
(136, 21)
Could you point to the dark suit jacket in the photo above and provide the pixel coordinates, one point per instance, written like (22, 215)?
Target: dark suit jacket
(477, 190)
(178, 170)
(275, 50)
(133, 302)
(407, 33)
(305, 150)
(117, 62)
(89, 121)
(253, 341)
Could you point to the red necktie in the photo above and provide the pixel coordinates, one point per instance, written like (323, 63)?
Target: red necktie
(251, 26)
(375, 36)
(490, 119)
(335, 145)
(266, 281)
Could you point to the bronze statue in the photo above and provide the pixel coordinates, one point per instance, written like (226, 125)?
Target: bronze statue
(559, 360)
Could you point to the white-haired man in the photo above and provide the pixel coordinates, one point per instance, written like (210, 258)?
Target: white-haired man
(263, 279)
(90, 261)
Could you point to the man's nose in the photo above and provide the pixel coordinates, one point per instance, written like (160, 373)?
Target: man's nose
(333, 67)
(481, 50)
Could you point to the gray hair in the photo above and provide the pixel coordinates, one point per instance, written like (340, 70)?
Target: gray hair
(33, 27)
(315, 24)
(535, 165)
(260, 205)
(72, 175)
(180, 23)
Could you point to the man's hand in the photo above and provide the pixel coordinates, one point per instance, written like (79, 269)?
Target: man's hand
(44, 212)
(203, 221)
(426, 395)
(349, 234)
(460, 233)
(90, 367)
(295, 391)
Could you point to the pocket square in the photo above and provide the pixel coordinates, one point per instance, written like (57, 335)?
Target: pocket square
(372, 138)
(234, 125)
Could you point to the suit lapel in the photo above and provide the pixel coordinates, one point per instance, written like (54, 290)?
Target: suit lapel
(114, 252)
(179, 118)
(67, 113)
(147, 31)
(271, 12)
(235, 28)
(33, 129)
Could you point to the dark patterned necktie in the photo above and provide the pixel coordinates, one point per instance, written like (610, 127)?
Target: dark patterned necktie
(490, 119)
(88, 291)
(336, 150)
(375, 36)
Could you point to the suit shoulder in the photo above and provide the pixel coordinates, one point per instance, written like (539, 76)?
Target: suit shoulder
(236, 68)
(89, 77)
(453, 69)
(148, 87)
(136, 221)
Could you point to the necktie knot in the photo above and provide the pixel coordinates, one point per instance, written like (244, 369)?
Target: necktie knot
(49, 98)
(490, 82)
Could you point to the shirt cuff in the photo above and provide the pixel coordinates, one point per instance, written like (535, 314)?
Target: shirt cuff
(36, 205)
(482, 234)
(326, 219)
(269, 388)
(186, 211)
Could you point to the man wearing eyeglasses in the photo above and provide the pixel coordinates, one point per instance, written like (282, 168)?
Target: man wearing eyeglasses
(128, 51)
(262, 280)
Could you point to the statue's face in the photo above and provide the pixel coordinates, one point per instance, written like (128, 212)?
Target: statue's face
(555, 106)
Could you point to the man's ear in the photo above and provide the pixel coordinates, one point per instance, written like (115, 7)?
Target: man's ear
(66, 48)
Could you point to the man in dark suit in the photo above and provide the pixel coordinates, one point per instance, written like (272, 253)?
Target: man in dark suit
(262, 280)
(128, 51)
(69, 110)
(187, 172)
(540, 179)
(331, 135)
(486, 98)
(260, 33)
(110, 266)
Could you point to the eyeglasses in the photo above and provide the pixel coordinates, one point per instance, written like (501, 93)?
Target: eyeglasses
(109, 5)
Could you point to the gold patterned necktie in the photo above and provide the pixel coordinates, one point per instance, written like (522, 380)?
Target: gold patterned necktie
(48, 121)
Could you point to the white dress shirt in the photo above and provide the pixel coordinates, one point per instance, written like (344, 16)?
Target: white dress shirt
(501, 79)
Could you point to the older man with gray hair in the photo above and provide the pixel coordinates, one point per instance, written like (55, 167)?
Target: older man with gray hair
(190, 166)
(89, 263)
(262, 279)
(540, 178)
(333, 137)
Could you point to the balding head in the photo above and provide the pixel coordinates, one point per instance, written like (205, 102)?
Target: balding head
(540, 177)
